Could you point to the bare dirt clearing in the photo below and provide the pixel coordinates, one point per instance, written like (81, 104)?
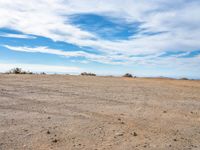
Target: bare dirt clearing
(39, 112)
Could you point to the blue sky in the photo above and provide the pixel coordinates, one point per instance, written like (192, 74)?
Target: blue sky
(108, 37)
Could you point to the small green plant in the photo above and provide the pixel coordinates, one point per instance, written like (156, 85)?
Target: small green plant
(87, 74)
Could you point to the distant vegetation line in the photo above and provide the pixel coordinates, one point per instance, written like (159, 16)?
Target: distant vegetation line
(21, 71)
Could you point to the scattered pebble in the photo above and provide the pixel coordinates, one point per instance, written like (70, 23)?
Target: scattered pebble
(134, 134)
(122, 122)
(55, 141)
(48, 132)
(119, 134)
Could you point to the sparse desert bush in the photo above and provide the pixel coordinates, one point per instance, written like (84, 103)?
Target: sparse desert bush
(18, 71)
(128, 75)
(15, 71)
(87, 74)
(43, 73)
(184, 79)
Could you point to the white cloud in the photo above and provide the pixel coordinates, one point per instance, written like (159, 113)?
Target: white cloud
(40, 68)
(179, 19)
(20, 36)
(48, 51)
(89, 56)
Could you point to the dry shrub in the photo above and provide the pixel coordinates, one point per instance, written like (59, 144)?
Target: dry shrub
(18, 71)
(184, 79)
(87, 74)
(128, 75)
(43, 73)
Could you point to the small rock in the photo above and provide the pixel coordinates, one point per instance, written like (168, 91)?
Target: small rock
(165, 111)
(48, 132)
(49, 117)
(119, 134)
(55, 141)
(122, 122)
(175, 140)
(134, 134)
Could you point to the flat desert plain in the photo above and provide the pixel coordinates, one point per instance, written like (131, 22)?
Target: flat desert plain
(61, 112)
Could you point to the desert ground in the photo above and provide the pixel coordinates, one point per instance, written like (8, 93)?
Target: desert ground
(62, 112)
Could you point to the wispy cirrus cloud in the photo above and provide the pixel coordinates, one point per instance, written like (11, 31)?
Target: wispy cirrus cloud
(165, 59)
(48, 51)
(92, 57)
(20, 36)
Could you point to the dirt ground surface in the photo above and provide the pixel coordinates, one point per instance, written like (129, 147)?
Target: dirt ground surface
(42, 112)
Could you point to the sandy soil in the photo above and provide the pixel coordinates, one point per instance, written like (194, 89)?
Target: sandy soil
(41, 112)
